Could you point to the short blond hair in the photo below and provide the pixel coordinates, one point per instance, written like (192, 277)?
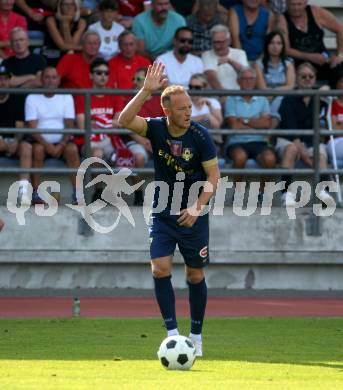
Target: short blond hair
(170, 91)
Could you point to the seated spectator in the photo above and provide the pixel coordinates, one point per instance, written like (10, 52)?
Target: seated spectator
(124, 65)
(274, 70)
(205, 110)
(201, 23)
(25, 67)
(155, 28)
(296, 112)
(74, 68)
(249, 24)
(65, 29)
(222, 63)
(248, 112)
(8, 21)
(12, 145)
(51, 111)
(304, 26)
(179, 63)
(108, 28)
(337, 124)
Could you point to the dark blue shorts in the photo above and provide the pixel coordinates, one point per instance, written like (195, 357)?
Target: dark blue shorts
(165, 233)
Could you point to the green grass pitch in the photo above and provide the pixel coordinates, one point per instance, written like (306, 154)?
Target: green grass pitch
(239, 354)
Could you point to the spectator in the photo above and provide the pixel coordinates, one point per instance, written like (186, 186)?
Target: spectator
(125, 64)
(296, 112)
(108, 28)
(51, 111)
(25, 67)
(206, 17)
(249, 24)
(337, 124)
(206, 110)
(64, 29)
(248, 112)
(304, 26)
(74, 68)
(222, 63)
(12, 145)
(179, 63)
(274, 70)
(155, 28)
(8, 21)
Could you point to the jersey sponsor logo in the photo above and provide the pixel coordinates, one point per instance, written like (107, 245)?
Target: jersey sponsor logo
(204, 252)
(187, 154)
(175, 147)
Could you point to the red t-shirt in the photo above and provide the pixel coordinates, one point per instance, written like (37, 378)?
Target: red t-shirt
(74, 71)
(337, 110)
(103, 109)
(14, 20)
(130, 7)
(152, 108)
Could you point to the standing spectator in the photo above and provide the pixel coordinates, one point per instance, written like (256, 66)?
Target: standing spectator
(125, 64)
(50, 111)
(64, 29)
(274, 70)
(108, 28)
(337, 124)
(155, 28)
(201, 23)
(249, 24)
(296, 112)
(179, 63)
(8, 21)
(248, 112)
(74, 68)
(304, 26)
(222, 63)
(12, 145)
(25, 67)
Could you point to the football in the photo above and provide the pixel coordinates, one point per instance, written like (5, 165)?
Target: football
(176, 353)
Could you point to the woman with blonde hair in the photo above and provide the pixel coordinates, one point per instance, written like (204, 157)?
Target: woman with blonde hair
(65, 29)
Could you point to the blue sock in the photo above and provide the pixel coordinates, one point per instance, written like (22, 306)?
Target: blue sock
(165, 296)
(197, 303)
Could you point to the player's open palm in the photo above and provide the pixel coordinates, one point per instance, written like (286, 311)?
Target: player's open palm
(155, 78)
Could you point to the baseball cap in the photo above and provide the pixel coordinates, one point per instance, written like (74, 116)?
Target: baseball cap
(4, 71)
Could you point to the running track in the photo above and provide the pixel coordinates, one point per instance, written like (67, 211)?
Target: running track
(146, 307)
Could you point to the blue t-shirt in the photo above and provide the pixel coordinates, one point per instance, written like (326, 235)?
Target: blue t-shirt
(157, 39)
(188, 153)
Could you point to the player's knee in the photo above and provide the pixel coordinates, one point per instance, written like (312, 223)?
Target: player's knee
(195, 275)
(160, 270)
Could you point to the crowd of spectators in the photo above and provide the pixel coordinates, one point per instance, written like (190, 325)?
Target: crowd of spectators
(204, 44)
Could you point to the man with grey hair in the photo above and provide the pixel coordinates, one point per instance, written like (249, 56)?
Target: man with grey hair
(222, 62)
(74, 68)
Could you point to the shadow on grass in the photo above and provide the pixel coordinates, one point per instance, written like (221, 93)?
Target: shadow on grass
(302, 341)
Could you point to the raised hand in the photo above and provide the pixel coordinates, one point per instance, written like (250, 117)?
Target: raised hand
(155, 78)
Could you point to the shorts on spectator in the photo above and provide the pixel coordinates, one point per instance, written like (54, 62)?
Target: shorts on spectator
(106, 146)
(282, 143)
(136, 148)
(252, 149)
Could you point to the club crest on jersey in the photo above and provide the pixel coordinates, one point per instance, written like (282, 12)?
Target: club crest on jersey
(175, 147)
(203, 252)
(187, 154)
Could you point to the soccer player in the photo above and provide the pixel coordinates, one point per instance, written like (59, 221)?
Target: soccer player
(182, 150)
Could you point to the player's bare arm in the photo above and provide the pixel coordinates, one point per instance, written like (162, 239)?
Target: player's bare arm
(154, 81)
(189, 216)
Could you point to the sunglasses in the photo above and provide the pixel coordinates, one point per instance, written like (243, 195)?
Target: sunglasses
(191, 86)
(101, 72)
(138, 78)
(186, 40)
(307, 76)
(249, 31)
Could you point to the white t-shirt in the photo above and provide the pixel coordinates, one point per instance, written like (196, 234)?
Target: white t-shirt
(204, 110)
(180, 72)
(109, 39)
(227, 75)
(50, 113)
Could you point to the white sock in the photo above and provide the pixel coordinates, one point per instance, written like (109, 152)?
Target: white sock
(196, 337)
(24, 183)
(173, 332)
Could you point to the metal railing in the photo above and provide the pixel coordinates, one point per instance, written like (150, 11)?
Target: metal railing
(317, 132)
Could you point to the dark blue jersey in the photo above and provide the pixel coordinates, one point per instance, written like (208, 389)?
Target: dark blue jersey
(188, 153)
